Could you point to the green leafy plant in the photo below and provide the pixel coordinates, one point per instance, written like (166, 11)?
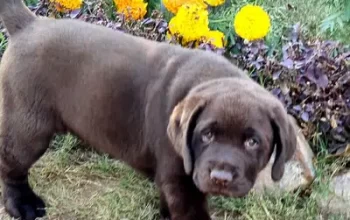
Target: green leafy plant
(31, 2)
(3, 43)
(153, 5)
(338, 20)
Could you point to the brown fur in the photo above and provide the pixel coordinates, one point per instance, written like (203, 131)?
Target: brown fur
(145, 103)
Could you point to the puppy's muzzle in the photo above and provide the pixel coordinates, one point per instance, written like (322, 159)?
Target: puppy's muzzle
(224, 177)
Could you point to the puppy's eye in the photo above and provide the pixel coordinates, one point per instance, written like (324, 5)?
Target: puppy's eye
(208, 137)
(251, 143)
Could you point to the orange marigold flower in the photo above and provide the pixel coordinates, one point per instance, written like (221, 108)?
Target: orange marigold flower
(174, 5)
(132, 9)
(62, 5)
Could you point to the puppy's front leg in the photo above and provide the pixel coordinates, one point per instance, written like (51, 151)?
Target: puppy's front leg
(183, 199)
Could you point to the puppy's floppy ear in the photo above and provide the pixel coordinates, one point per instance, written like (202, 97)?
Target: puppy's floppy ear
(285, 140)
(181, 125)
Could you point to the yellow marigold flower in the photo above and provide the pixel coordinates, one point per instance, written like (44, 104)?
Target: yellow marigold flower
(190, 23)
(216, 38)
(214, 2)
(174, 5)
(62, 5)
(252, 22)
(132, 9)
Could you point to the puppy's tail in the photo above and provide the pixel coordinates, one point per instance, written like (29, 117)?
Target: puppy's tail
(15, 15)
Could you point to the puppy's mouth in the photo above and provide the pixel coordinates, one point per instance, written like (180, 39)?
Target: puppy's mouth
(239, 189)
(226, 193)
(217, 191)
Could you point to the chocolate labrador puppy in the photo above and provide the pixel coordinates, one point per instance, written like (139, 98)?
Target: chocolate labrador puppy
(188, 119)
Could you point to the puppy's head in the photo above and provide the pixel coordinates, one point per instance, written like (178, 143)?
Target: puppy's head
(226, 132)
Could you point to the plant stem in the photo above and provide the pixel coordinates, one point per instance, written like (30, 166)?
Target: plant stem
(219, 20)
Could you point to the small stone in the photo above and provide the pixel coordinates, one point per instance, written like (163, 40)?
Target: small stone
(299, 171)
(338, 199)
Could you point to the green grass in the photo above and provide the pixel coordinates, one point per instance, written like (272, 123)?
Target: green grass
(3, 43)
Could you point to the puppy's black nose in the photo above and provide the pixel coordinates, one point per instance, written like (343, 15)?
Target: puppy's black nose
(222, 177)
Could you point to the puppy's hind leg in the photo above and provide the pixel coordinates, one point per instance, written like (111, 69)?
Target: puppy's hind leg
(24, 137)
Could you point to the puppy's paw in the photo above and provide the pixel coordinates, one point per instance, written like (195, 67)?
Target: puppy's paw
(22, 203)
